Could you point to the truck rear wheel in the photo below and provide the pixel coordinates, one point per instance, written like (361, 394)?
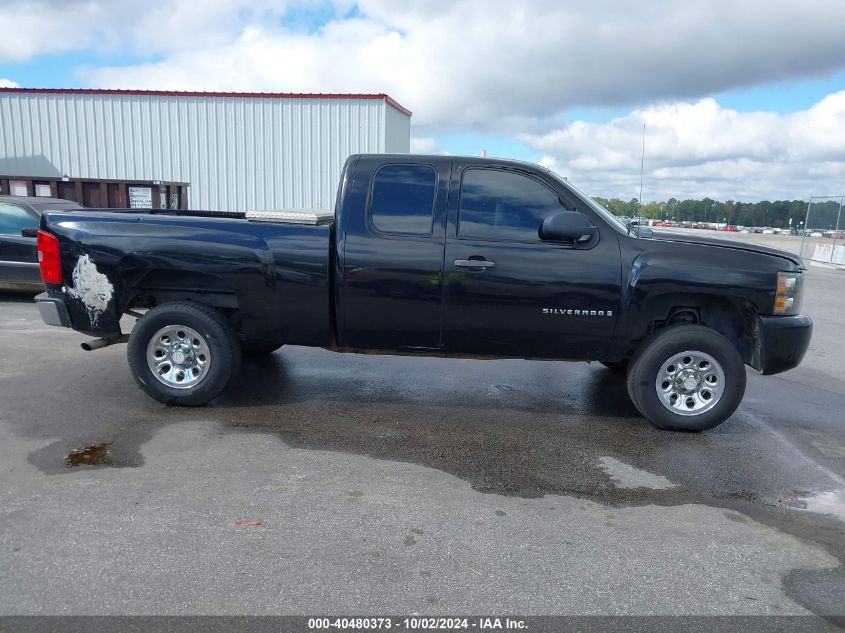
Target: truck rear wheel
(686, 378)
(183, 353)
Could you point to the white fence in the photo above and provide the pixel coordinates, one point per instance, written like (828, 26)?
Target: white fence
(826, 246)
(828, 255)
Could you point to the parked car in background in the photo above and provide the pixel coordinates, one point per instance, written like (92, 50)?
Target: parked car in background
(19, 217)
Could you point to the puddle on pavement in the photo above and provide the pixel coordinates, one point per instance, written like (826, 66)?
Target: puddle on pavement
(831, 503)
(91, 455)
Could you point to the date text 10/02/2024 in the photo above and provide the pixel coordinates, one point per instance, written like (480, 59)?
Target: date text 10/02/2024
(417, 623)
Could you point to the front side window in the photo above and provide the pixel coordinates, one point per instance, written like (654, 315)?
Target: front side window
(503, 205)
(13, 220)
(403, 199)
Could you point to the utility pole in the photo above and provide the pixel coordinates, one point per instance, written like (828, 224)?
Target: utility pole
(642, 164)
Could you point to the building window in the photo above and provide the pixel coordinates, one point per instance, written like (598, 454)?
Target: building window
(504, 206)
(42, 190)
(17, 188)
(403, 199)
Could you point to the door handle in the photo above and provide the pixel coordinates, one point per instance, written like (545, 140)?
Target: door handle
(474, 263)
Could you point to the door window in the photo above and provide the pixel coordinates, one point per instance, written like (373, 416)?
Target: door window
(403, 199)
(14, 219)
(504, 205)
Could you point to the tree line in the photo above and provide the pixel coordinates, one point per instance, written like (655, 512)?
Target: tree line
(776, 214)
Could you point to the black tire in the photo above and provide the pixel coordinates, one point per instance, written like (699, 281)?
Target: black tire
(220, 339)
(619, 366)
(257, 349)
(658, 349)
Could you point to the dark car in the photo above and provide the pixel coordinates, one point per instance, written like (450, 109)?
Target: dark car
(18, 259)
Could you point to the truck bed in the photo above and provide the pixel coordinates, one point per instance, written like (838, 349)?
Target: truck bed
(272, 277)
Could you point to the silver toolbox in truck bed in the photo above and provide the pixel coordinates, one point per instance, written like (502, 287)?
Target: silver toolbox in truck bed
(292, 216)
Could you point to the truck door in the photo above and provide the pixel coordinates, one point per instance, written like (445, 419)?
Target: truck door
(508, 292)
(390, 253)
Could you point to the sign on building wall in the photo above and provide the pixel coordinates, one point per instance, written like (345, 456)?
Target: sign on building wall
(140, 198)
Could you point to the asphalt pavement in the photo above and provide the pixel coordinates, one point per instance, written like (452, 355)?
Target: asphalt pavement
(336, 483)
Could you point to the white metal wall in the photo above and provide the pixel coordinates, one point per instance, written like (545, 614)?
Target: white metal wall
(397, 132)
(237, 153)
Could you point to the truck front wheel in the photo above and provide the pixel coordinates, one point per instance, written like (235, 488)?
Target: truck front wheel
(183, 353)
(686, 378)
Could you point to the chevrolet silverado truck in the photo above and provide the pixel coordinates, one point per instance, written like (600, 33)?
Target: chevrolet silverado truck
(430, 256)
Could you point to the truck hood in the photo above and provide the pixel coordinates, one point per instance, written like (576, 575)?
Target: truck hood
(751, 247)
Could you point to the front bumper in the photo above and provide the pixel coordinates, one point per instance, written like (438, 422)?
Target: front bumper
(53, 310)
(783, 341)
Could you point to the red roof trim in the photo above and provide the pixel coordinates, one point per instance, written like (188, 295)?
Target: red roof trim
(238, 95)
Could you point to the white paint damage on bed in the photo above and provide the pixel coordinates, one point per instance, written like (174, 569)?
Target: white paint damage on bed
(91, 287)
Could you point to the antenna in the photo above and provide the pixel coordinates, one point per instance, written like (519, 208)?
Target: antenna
(642, 163)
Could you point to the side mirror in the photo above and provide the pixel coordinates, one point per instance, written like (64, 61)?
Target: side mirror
(29, 233)
(568, 226)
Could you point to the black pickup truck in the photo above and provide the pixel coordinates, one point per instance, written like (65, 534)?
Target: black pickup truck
(430, 255)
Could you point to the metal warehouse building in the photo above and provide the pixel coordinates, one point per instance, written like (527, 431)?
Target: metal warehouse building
(216, 151)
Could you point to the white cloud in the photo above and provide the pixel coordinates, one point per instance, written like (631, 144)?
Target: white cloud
(492, 65)
(8, 83)
(34, 27)
(425, 145)
(700, 148)
(506, 68)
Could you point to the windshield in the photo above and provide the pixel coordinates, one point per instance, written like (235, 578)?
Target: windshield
(611, 219)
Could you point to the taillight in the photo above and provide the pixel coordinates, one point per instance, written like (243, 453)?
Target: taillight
(48, 258)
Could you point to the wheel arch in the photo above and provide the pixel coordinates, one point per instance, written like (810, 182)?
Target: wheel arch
(732, 317)
(155, 287)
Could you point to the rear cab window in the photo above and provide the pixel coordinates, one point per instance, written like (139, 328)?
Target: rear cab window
(402, 199)
(501, 205)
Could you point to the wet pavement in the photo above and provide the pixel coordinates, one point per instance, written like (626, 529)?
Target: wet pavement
(369, 484)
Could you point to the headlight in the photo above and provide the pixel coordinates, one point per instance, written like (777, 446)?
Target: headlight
(789, 293)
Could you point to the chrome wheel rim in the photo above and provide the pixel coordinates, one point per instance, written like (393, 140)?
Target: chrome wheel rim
(178, 356)
(690, 383)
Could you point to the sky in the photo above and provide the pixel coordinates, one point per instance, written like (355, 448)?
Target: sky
(740, 100)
